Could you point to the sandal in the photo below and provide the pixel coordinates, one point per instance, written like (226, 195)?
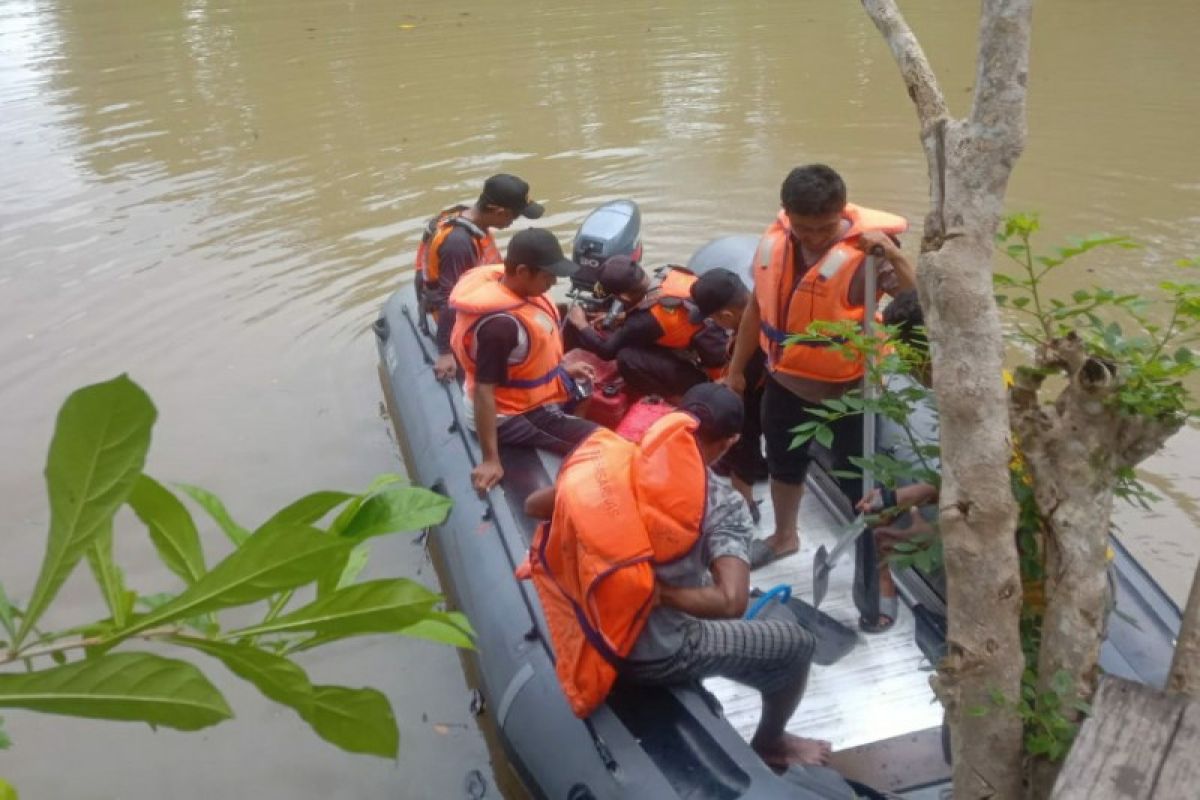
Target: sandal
(762, 553)
(889, 608)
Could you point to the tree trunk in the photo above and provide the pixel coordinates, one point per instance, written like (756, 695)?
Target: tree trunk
(1073, 449)
(970, 161)
(1185, 668)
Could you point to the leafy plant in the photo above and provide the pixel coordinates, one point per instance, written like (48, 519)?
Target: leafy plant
(94, 467)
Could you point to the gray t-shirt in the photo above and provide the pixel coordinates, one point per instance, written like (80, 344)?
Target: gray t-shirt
(726, 531)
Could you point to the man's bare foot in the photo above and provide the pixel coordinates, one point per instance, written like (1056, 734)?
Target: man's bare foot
(794, 750)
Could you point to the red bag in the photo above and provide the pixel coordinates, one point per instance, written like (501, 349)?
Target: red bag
(645, 412)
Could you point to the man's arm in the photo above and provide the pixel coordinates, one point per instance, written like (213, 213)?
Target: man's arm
(640, 328)
(456, 255)
(711, 345)
(488, 472)
(725, 599)
(896, 275)
(495, 337)
(540, 503)
(744, 346)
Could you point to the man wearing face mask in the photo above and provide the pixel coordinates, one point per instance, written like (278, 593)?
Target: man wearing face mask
(810, 267)
(676, 330)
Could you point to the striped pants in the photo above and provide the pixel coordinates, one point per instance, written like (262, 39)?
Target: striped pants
(767, 654)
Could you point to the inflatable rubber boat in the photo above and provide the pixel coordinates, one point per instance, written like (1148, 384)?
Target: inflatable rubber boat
(870, 696)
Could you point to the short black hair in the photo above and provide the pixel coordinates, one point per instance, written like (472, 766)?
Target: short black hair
(813, 191)
(906, 313)
(718, 289)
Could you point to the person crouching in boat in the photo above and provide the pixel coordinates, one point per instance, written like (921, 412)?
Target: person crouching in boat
(506, 337)
(643, 571)
(676, 332)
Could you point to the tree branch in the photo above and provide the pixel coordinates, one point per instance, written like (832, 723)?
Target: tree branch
(1002, 71)
(914, 67)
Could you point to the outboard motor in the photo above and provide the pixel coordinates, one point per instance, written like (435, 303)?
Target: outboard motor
(612, 229)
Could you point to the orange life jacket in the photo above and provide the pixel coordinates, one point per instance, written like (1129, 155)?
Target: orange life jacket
(538, 378)
(619, 509)
(428, 264)
(670, 303)
(788, 306)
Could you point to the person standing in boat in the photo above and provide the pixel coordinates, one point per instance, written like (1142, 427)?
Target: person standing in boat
(810, 268)
(506, 337)
(643, 571)
(676, 332)
(459, 239)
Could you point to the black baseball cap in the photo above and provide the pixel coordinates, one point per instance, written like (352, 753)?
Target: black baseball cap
(621, 274)
(509, 191)
(715, 290)
(539, 248)
(718, 408)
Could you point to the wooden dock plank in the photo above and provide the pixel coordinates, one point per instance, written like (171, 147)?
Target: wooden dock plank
(1121, 748)
(1180, 775)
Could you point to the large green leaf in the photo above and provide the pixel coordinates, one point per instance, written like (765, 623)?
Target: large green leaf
(171, 528)
(7, 792)
(275, 676)
(99, 447)
(273, 560)
(109, 576)
(358, 720)
(310, 508)
(407, 508)
(216, 509)
(379, 606)
(139, 687)
(444, 627)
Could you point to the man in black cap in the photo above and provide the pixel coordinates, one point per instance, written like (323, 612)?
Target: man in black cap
(676, 333)
(696, 628)
(506, 337)
(461, 239)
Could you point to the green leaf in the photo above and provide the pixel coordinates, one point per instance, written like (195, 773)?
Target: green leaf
(310, 508)
(405, 509)
(1184, 356)
(381, 606)
(7, 792)
(355, 564)
(99, 447)
(216, 509)
(276, 677)
(7, 615)
(109, 576)
(357, 720)
(275, 559)
(137, 687)
(171, 528)
(450, 628)
(824, 437)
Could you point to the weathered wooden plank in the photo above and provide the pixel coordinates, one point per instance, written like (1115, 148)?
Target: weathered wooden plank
(1121, 747)
(1180, 775)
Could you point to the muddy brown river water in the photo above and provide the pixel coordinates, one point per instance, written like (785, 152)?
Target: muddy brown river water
(217, 196)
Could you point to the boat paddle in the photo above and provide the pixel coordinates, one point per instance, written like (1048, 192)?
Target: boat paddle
(825, 560)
